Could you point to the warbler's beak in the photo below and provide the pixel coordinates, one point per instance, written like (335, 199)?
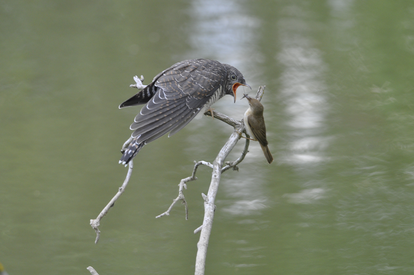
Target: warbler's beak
(245, 96)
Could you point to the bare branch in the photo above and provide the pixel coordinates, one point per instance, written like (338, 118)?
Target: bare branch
(218, 169)
(182, 185)
(226, 119)
(209, 199)
(92, 270)
(96, 222)
(260, 92)
(209, 206)
(201, 162)
(239, 159)
(181, 197)
(198, 229)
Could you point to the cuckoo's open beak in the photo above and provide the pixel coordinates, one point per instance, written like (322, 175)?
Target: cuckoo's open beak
(235, 86)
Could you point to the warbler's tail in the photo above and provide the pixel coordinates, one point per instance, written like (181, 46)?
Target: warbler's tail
(267, 153)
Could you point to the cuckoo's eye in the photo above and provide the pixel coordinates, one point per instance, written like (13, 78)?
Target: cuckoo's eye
(233, 77)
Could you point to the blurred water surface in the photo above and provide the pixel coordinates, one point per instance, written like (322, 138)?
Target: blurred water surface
(339, 111)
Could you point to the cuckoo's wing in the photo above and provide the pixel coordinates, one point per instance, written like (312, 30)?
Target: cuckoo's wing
(145, 95)
(196, 79)
(181, 93)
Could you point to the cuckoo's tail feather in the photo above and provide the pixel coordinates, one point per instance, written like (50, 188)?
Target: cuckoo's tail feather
(131, 151)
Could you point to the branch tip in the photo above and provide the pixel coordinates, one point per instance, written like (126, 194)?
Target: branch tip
(198, 229)
(92, 270)
(96, 222)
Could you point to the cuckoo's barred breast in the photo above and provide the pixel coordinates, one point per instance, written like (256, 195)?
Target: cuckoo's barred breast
(175, 96)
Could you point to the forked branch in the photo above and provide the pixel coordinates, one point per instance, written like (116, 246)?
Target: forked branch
(218, 167)
(96, 222)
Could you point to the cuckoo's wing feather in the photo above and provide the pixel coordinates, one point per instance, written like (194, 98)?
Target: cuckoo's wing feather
(181, 91)
(145, 95)
(156, 133)
(197, 80)
(160, 127)
(159, 118)
(184, 121)
(142, 120)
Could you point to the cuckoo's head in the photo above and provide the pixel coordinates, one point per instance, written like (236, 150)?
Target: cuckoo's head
(234, 80)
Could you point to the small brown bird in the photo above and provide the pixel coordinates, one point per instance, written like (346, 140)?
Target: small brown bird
(255, 125)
